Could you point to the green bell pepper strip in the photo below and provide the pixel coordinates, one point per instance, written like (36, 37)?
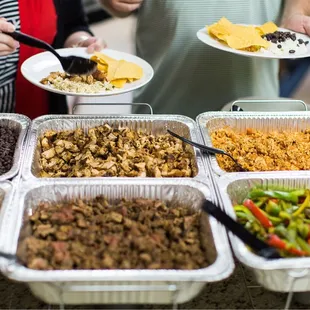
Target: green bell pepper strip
(285, 205)
(285, 216)
(261, 201)
(303, 230)
(281, 231)
(240, 208)
(303, 244)
(273, 208)
(287, 196)
(275, 220)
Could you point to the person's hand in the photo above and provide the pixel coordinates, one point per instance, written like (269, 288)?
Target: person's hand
(298, 23)
(7, 44)
(83, 39)
(93, 44)
(123, 6)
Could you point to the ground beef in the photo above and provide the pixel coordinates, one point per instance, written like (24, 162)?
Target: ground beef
(125, 234)
(8, 140)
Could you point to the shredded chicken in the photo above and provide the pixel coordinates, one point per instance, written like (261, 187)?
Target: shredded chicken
(125, 234)
(260, 151)
(78, 83)
(107, 152)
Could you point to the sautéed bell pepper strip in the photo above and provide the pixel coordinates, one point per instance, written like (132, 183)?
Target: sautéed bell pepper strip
(273, 208)
(303, 245)
(304, 205)
(276, 242)
(258, 213)
(287, 196)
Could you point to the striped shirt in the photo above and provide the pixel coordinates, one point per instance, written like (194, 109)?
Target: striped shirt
(191, 77)
(8, 64)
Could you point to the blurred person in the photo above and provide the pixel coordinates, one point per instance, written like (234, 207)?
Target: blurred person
(61, 23)
(191, 77)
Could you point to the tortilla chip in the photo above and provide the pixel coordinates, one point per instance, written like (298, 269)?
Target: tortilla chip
(128, 70)
(119, 72)
(269, 27)
(241, 37)
(119, 83)
(245, 38)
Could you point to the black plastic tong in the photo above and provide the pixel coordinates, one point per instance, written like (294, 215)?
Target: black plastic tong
(260, 247)
(70, 64)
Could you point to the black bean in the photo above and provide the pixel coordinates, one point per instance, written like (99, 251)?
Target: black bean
(279, 46)
(307, 42)
(300, 41)
(292, 51)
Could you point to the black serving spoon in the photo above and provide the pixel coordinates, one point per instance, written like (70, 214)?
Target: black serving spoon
(11, 257)
(260, 247)
(70, 64)
(206, 149)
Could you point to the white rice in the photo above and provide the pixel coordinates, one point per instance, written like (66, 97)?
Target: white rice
(286, 47)
(80, 87)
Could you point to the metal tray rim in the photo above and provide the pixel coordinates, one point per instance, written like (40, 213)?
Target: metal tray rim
(32, 138)
(220, 269)
(202, 118)
(24, 122)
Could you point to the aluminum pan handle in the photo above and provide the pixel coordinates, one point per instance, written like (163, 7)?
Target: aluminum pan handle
(114, 104)
(116, 288)
(293, 275)
(269, 101)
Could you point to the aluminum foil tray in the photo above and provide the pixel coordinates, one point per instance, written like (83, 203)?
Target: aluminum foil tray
(117, 286)
(21, 123)
(6, 194)
(283, 275)
(153, 124)
(266, 121)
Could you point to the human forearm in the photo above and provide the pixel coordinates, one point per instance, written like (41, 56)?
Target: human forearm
(296, 16)
(121, 8)
(107, 7)
(76, 37)
(293, 7)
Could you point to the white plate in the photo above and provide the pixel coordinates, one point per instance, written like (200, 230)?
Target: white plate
(203, 36)
(41, 65)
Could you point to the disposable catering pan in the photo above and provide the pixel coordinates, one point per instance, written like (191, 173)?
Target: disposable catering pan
(153, 124)
(240, 121)
(7, 189)
(21, 124)
(282, 275)
(117, 286)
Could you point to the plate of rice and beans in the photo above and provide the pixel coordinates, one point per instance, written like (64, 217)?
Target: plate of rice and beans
(116, 73)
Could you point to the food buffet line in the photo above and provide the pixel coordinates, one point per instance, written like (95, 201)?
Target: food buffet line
(107, 209)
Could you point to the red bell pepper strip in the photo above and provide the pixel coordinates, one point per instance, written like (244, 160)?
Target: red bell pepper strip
(276, 242)
(257, 212)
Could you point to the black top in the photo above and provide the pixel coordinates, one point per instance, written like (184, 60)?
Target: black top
(71, 18)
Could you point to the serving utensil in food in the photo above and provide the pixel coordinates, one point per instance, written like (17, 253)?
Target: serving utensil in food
(70, 64)
(205, 148)
(11, 257)
(260, 247)
(236, 108)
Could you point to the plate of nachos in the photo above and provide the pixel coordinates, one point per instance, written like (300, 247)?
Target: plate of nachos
(116, 73)
(265, 41)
